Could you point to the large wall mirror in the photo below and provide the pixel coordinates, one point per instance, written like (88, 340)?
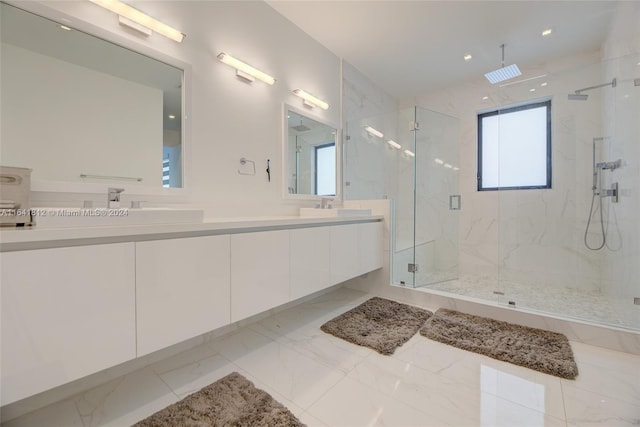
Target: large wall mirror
(310, 154)
(80, 109)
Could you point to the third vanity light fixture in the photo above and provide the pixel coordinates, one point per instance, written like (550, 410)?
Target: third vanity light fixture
(145, 23)
(244, 70)
(310, 100)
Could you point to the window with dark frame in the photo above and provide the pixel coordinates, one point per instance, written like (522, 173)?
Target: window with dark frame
(325, 169)
(514, 147)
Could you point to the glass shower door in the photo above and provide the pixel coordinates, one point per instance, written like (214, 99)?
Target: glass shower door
(437, 200)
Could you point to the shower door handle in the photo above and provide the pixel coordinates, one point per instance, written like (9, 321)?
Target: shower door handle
(455, 202)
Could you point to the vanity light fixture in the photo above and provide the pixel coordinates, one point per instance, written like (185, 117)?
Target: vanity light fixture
(394, 144)
(310, 100)
(244, 70)
(439, 161)
(134, 16)
(374, 132)
(409, 153)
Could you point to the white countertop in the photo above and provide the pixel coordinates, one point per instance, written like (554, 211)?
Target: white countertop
(16, 238)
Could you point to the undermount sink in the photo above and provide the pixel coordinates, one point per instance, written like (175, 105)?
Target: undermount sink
(334, 212)
(98, 217)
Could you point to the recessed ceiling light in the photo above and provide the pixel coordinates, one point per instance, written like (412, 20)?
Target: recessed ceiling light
(64, 27)
(447, 165)
(532, 89)
(484, 98)
(171, 116)
(468, 57)
(543, 84)
(547, 32)
(439, 161)
(409, 153)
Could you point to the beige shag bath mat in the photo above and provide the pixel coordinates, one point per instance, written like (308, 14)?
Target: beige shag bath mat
(544, 351)
(378, 323)
(230, 401)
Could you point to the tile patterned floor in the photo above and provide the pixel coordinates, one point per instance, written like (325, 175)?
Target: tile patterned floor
(589, 305)
(325, 381)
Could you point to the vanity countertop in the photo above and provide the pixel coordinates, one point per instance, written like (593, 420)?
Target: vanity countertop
(12, 239)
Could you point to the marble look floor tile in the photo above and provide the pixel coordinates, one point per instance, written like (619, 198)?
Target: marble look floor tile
(497, 412)
(607, 372)
(526, 387)
(124, 401)
(307, 338)
(185, 358)
(351, 403)
(456, 402)
(311, 421)
(190, 378)
(61, 414)
(585, 408)
(440, 358)
(295, 376)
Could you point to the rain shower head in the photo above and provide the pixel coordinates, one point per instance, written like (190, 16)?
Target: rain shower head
(504, 73)
(577, 97)
(301, 127)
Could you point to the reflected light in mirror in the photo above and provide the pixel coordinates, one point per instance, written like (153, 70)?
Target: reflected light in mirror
(310, 99)
(394, 144)
(374, 132)
(143, 19)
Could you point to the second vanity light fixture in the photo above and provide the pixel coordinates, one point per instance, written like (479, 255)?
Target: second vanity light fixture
(244, 70)
(310, 100)
(145, 23)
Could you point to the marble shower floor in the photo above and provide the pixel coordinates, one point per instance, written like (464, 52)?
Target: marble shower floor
(588, 305)
(325, 381)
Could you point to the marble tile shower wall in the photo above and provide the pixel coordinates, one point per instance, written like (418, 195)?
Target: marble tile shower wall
(532, 236)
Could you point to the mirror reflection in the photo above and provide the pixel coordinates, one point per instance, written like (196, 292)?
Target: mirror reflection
(76, 108)
(311, 156)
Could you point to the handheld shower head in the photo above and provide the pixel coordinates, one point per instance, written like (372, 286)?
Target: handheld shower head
(577, 97)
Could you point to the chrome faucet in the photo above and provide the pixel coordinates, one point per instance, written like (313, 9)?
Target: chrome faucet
(324, 203)
(113, 197)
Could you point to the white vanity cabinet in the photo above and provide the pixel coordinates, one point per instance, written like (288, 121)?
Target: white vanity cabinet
(259, 272)
(370, 249)
(344, 252)
(310, 260)
(182, 289)
(66, 313)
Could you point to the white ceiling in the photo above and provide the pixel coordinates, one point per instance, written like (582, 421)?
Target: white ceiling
(412, 47)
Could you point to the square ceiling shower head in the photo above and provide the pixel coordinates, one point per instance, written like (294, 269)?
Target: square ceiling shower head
(502, 74)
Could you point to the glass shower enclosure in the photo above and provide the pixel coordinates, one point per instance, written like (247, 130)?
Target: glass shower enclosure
(411, 157)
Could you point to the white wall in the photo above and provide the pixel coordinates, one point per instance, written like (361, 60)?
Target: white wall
(230, 119)
(63, 120)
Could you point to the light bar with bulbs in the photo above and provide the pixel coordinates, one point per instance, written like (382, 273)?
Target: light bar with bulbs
(374, 132)
(130, 13)
(245, 70)
(310, 100)
(394, 144)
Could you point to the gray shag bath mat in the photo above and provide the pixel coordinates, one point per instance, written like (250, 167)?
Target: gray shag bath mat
(230, 401)
(544, 351)
(378, 323)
